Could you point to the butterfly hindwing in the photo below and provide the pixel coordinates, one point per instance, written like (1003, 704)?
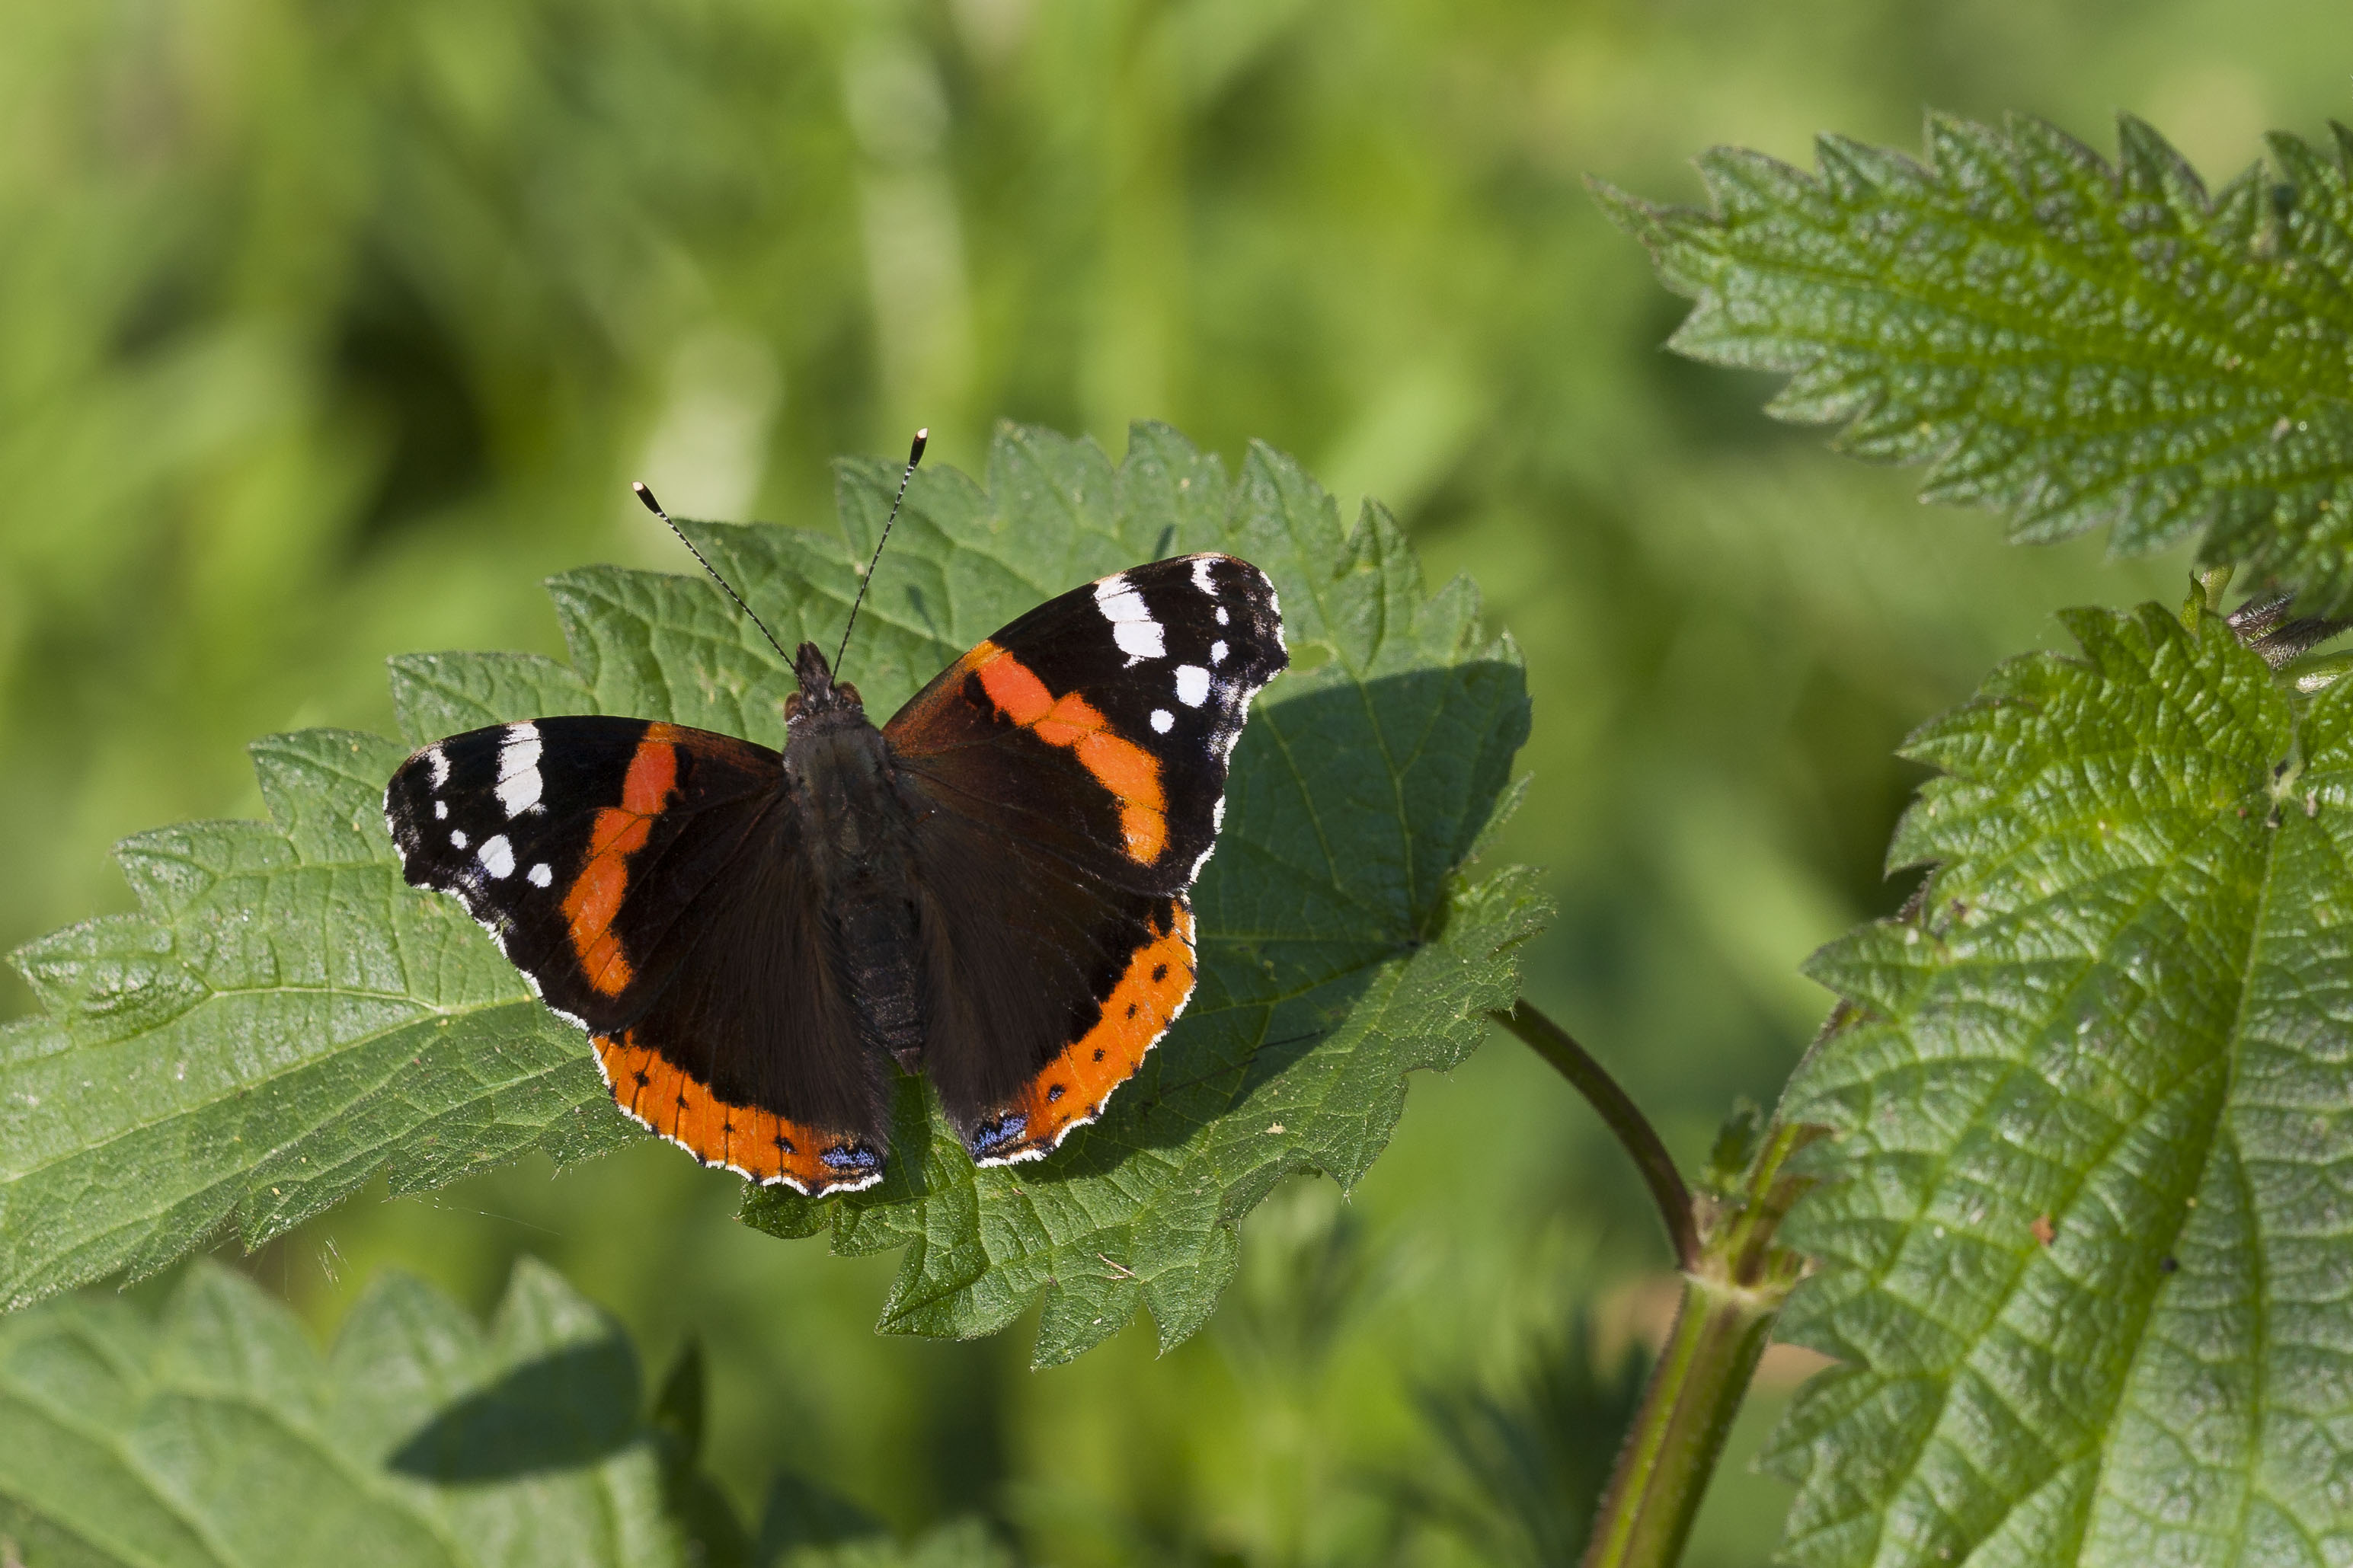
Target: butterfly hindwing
(1074, 768)
(1039, 984)
(614, 860)
(761, 1064)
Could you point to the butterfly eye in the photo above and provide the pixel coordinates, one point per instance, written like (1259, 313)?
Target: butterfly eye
(849, 694)
(792, 707)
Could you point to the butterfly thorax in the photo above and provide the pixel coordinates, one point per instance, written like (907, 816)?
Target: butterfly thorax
(853, 823)
(839, 782)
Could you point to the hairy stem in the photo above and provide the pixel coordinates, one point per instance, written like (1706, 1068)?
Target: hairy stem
(1731, 1297)
(1735, 1280)
(1633, 1129)
(1671, 1454)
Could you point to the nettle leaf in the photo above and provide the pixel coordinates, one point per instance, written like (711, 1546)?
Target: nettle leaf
(1341, 946)
(966, 1543)
(2074, 342)
(283, 1018)
(329, 1020)
(217, 1433)
(2088, 1257)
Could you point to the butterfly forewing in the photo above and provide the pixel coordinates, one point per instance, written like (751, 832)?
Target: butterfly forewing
(579, 842)
(1102, 720)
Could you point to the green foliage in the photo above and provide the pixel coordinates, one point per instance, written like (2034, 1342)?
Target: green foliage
(217, 1433)
(966, 1543)
(805, 1526)
(2086, 1262)
(214, 1433)
(282, 1019)
(286, 1017)
(2073, 342)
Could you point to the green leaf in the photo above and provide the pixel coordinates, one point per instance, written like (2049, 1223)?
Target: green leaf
(715, 1536)
(2086, 1260)
(283, 1018)
(2073, 342)
(336, 1020)
(217, 1433)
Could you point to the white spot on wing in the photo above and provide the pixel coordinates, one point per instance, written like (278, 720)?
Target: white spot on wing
(1216, 653)
(497, 857)
(458, 838)
(519, 782)
(1201, 578)
(541, 875)
(1192, 685)
(440, 811)
(1132, 625)
(1163, 720)
(1221, 615)
(440, 766)
(1217, 815)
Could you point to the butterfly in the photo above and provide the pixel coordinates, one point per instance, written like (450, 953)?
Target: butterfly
(990, 890)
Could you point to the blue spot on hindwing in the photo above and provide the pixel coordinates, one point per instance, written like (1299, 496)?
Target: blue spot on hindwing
(991, 1136)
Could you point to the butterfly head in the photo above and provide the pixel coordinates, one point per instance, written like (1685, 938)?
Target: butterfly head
(820, 692)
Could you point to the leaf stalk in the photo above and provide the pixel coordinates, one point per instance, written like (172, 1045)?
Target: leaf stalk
(1618, 1112)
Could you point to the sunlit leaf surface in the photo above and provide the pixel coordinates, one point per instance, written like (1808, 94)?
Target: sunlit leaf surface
(2074, 342)
(2087, 1256)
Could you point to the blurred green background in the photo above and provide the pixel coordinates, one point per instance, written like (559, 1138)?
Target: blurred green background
(328, 328)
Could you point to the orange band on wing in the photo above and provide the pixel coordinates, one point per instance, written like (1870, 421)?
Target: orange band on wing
(617, 832)
(1071, 1090)
(757, 1144)
(1119, 765)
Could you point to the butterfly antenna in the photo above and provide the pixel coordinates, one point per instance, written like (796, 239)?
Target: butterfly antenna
(654, 507)
(914, 456)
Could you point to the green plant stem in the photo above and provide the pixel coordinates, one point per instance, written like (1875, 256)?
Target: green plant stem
(1623, 1118)
(1734, 1281)
(1671, 1454)
(1730, 1299)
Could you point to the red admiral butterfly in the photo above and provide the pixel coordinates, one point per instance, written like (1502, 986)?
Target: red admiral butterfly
(991, 889)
